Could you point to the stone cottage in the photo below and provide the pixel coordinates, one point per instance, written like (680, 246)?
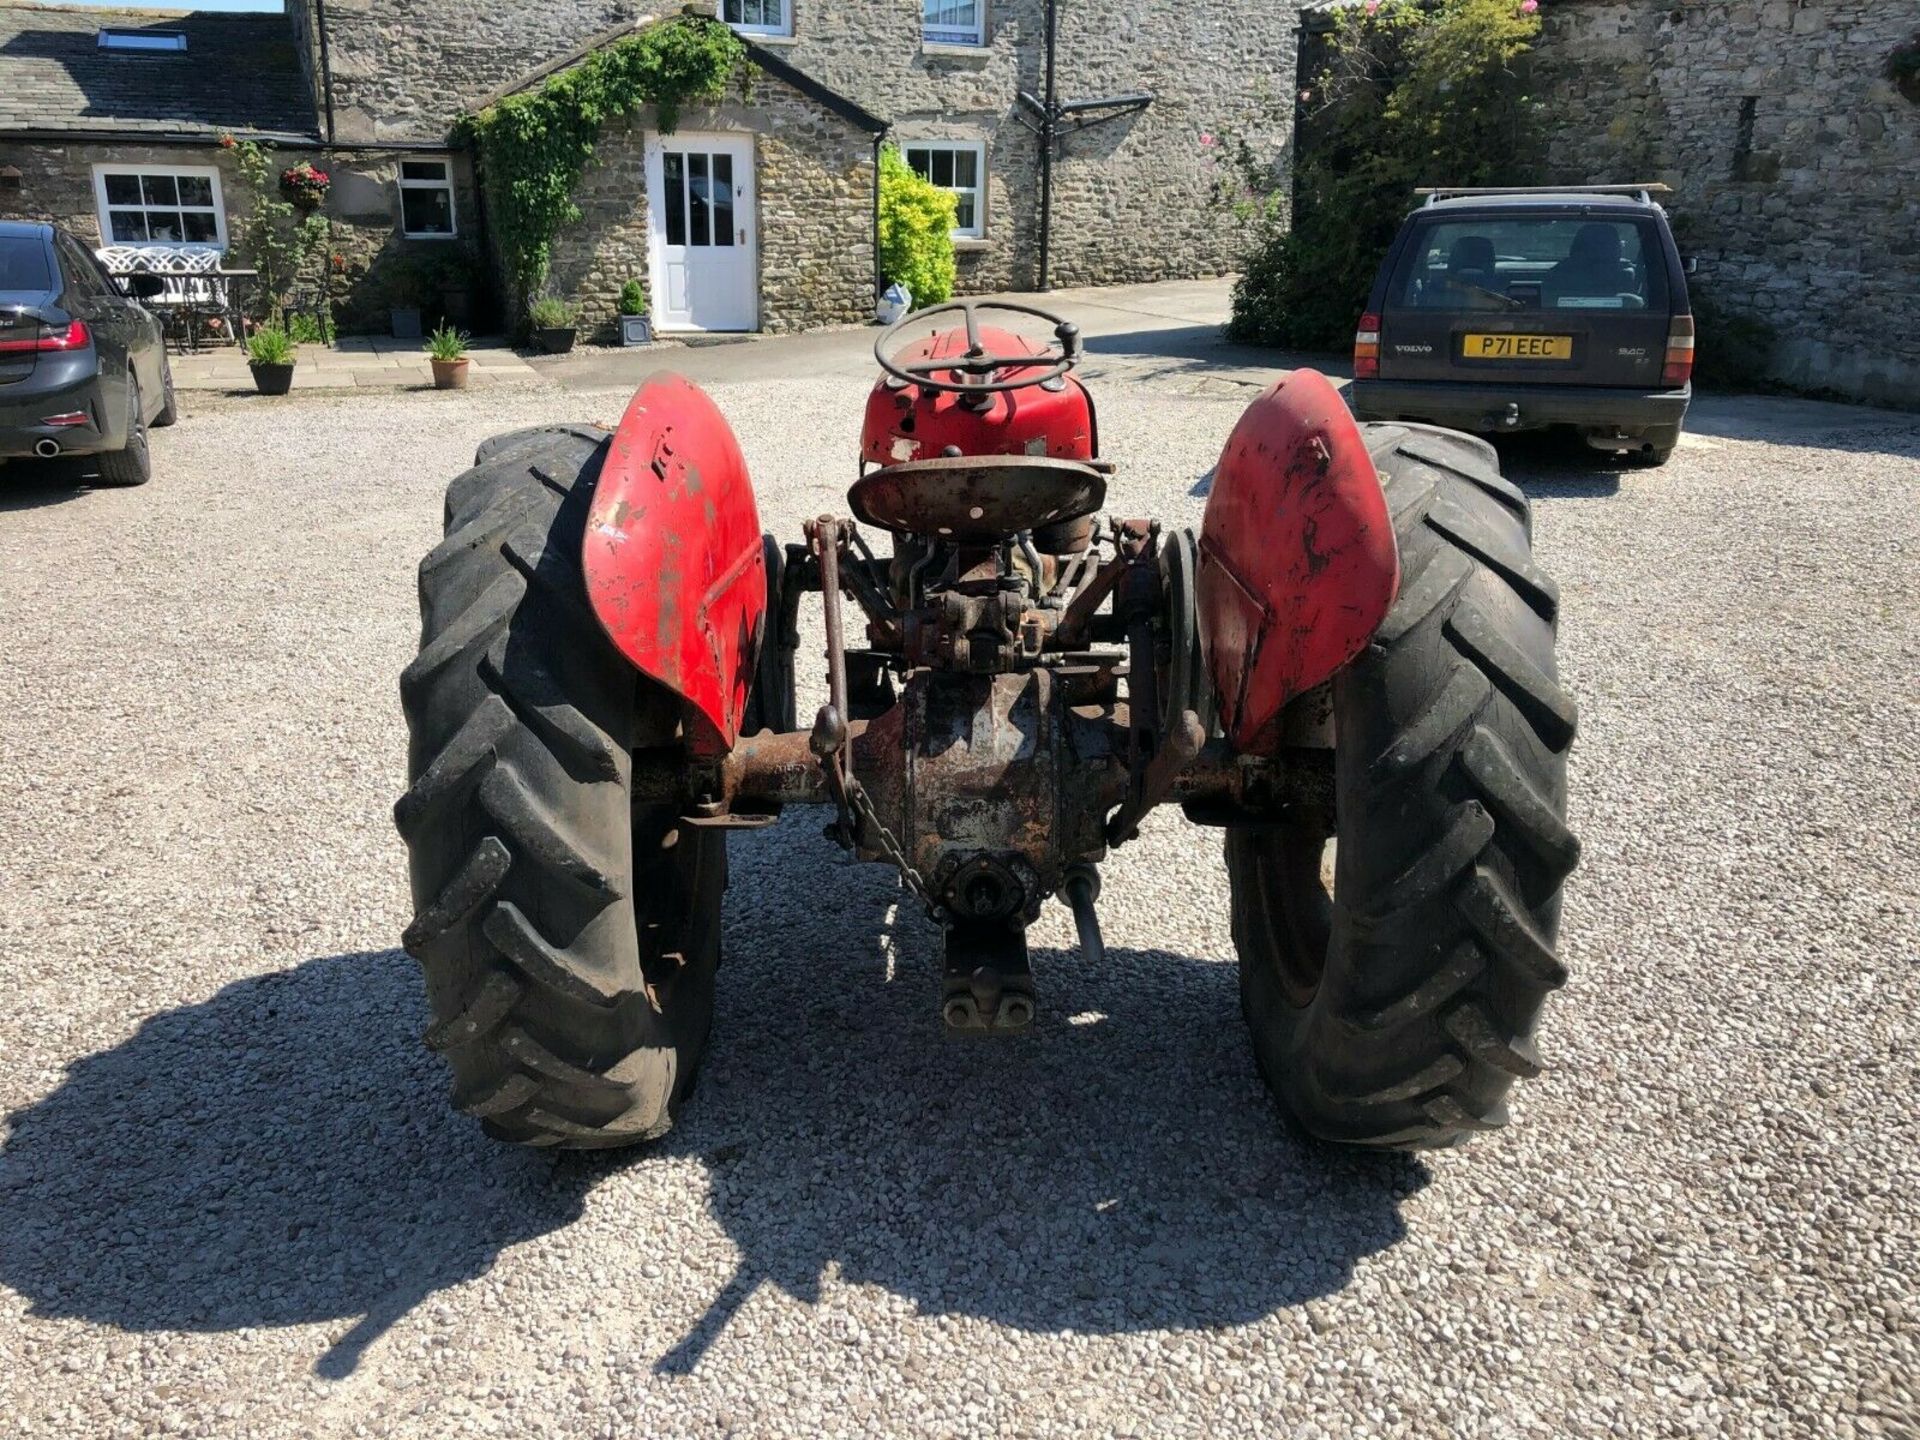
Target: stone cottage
(1147, 98)
(109, 120)
(1113, 175)
(111, 124)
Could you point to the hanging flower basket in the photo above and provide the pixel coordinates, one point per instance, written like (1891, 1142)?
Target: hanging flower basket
(1903, 68)
(305, 186)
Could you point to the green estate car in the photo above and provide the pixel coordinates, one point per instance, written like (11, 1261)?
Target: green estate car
(1505, 310)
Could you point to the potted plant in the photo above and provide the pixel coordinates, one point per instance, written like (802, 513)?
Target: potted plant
(553, 323)
(636, 328)
(447, 349)
(305, 186)
(403, 302)
(270, 355)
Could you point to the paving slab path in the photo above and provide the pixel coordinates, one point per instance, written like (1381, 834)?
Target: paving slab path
(355, 362)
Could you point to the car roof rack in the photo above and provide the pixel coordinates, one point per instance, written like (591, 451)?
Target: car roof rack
(1645, 191)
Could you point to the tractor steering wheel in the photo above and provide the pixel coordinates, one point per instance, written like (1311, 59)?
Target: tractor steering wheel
(1057, 359)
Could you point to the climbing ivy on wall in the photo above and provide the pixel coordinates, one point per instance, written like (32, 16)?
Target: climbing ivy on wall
(533, 147)
(1410, 93)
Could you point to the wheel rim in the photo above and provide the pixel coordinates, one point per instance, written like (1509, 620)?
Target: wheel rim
(665, 969)
(1299, 875)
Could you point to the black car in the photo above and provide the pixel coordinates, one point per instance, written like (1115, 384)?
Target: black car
(83, 368)
(1507, 310)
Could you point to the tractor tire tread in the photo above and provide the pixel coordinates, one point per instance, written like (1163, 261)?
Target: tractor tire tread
(1474, 460)
(1451, 740)
(545, 901)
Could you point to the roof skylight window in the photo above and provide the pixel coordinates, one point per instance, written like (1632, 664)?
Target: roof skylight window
(143, 40)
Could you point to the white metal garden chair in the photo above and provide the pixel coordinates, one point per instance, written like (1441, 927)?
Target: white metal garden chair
(198, 291)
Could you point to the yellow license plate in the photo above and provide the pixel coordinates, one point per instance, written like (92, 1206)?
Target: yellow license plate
(1516, 347)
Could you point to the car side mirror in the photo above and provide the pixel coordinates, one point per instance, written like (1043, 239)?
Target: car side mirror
(145, 287)
(1690, 263)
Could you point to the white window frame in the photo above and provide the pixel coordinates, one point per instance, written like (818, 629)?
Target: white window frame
(785, 27)
(975, 148)
(446, 184)
(208, 172)
(931, 34)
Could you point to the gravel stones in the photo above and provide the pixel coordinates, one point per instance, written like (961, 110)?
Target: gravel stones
(233, 1201)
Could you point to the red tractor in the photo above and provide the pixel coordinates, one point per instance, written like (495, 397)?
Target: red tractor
(1349, 670)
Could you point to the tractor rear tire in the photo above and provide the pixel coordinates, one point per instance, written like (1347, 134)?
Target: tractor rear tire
(569, 939)
(1397, 1010)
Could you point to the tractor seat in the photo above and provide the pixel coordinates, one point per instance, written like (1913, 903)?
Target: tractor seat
(979, 498)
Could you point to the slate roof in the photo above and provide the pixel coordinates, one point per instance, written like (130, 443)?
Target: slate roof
(240, 73)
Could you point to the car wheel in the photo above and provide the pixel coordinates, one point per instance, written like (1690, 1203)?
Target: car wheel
(133, 464)
(169, 407)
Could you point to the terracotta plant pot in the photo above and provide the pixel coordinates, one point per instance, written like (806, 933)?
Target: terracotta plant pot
(449, 374)
(271, 379)
(555, 341)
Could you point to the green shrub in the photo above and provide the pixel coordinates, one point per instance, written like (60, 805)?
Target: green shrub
(550, 312)
(270, 345)
(633, 298)
(304, 329)
(1413, 92)
(447, 343)
(916, 232)
(275, 236)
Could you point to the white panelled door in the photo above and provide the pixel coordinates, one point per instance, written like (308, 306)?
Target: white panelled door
(706, 274)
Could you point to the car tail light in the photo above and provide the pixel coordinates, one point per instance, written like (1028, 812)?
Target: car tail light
(68, 420)
(1679, 362)
(1366, 349)
(74, 335)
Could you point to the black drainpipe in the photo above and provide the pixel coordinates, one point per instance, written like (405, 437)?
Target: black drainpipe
(879, 280)
(326, 63)
(1049, 122)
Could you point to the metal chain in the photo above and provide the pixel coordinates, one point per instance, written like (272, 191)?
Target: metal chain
(915, 881)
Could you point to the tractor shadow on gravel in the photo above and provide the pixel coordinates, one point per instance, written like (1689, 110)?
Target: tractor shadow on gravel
(1119, 1169)
(282, 1152)
(279, 1154)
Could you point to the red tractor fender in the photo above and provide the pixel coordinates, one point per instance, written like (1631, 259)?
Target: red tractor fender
(674, 565)
(1298, 563)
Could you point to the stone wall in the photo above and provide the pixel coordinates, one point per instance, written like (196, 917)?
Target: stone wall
(56, 180)
(1133, 199)
(373, 267)
(1795, 165)
(367, 265)
(813, 179)
(404, 69)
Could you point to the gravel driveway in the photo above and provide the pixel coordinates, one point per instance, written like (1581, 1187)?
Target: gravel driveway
(233, 1201)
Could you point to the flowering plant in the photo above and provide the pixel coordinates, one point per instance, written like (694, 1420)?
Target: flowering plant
(304, 185)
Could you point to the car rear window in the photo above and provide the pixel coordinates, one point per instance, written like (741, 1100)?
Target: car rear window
(23, 263)
(1532, 262)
